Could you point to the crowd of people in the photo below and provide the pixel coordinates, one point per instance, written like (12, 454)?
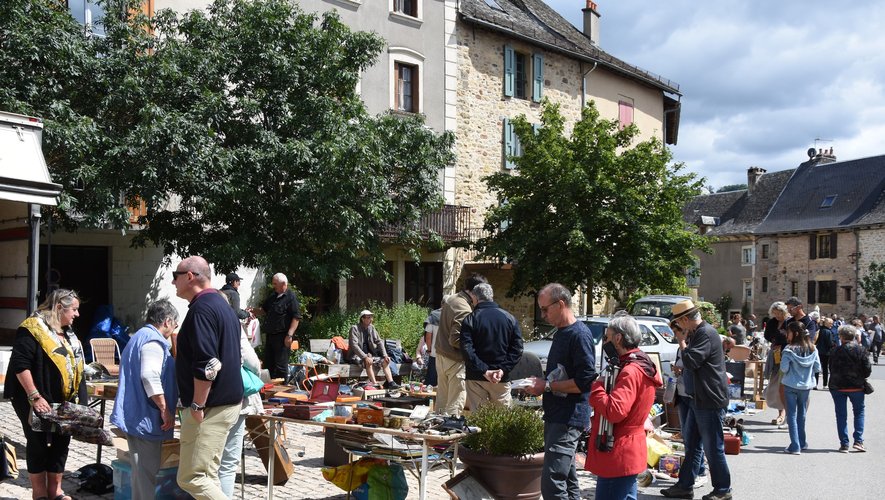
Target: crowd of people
(470, 346)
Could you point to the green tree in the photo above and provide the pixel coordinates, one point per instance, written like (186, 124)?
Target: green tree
(731, 187)
(239, 127)
(586, 210)
(873, 286)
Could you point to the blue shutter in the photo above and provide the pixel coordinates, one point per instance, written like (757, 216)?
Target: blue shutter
(536, 127)
(538, 80)
(509, 70)
(509, 143)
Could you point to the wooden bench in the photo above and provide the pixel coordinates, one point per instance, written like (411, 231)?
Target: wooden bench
(347, 370)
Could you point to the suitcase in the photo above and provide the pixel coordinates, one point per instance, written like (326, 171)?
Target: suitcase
(732, 445)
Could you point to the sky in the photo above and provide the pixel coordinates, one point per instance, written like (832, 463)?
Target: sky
(762, 81)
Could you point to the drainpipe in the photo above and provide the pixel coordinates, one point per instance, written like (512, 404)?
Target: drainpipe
(584, 83)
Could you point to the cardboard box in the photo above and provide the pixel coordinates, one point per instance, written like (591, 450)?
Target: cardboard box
(170, 453)
(167, 486)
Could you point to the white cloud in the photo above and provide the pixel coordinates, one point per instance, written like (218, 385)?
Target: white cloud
(761, 80)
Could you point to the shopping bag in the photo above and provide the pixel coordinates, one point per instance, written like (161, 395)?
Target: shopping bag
(772, 392)
(251, 383)
(9, 462)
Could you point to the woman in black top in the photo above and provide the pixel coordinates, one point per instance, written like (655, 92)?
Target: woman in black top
(46, 367)
(849, 369)
(776, 335)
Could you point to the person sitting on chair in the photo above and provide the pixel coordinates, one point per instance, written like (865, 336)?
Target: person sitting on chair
(366, 348)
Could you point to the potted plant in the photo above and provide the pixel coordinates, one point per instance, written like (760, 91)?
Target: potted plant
(507, 455)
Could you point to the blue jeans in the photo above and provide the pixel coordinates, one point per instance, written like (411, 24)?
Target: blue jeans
(559, 479)
(611, 488)
(796, 401)
(704, 435)
(699, 467)
(840, 400)
(230, 459)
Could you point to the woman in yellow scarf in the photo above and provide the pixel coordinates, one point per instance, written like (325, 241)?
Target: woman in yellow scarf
(46, 367)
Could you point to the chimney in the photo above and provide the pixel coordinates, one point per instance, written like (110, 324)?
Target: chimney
(753, 175)
(591, 22)
(823, 156)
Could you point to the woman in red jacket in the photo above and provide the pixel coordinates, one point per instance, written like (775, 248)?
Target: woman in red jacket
(626, 407)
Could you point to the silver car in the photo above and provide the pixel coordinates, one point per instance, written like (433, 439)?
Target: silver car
(657, 337)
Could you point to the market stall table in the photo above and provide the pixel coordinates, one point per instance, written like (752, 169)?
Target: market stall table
(426, 442)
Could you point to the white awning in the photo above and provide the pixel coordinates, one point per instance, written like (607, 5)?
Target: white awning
(24, 176)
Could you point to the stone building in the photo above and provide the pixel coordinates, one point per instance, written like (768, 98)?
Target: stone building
(511, 55)
(810, 232)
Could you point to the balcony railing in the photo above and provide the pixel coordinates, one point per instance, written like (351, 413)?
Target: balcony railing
(451, 223)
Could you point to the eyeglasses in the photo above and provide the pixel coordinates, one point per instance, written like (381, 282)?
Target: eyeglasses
(548, 306)
(176, 274)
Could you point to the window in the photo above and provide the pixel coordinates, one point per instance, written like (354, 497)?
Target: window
(406, 7)
(764, 251)
(406, 93)
(625, 112)
(748, 255)
(822, 292)
(88, 13)
(748, 290)
(521, 70)
(765, 284)
(828, 201)
(424, 284)
(822, 246)
(406, 80)
(847, 290)
(794, 288)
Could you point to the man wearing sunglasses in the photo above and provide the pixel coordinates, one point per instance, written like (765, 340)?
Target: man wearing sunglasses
(566, 397)
(207, 368)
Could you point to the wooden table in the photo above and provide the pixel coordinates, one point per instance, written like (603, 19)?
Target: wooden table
(758, 367)
(426, 441)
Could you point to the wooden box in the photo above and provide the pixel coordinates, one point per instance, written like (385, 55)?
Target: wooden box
(369, 416)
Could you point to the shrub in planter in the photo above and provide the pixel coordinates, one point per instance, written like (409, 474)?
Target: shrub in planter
(506, 431)
(506, 456)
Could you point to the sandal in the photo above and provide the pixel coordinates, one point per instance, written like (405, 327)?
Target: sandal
(64, 496)
(780, 421)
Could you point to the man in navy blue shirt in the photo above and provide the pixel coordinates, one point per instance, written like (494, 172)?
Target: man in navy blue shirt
(207, 368)
(566, 396)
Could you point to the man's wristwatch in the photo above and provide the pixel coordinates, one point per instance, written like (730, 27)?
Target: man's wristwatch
(197, 407)
(547, 387)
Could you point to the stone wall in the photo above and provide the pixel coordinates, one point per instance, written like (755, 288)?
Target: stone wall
(871, 245)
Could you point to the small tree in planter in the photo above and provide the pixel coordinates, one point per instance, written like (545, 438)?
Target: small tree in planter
(507, 455)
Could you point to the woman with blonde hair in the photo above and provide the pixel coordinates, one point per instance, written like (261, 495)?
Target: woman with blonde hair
(775, 334)
(45, 368)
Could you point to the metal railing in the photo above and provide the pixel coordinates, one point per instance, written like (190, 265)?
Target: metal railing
(451, 223)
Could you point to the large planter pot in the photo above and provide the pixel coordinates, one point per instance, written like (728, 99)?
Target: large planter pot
(506, 477)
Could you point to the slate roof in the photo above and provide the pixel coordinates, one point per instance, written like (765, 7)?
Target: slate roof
(856, 184)
(536, 22)
(739, 212)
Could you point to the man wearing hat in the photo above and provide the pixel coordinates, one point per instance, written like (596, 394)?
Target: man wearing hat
(231, 291)
(365, 347)
(705, 381)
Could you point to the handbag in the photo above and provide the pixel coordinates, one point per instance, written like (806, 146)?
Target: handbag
(8, 462)
(772, 392)
(867, 387)
(251, 383)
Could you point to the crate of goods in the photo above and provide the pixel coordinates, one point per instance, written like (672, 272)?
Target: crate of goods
(167, 487)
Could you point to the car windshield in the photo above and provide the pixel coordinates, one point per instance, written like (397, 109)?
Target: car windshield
(652, 308)
(666, 332)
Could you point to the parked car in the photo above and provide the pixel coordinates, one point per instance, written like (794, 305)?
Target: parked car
(657, 305)
(657, 337)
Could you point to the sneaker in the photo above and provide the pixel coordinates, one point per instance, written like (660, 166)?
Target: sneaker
(717, 496)
(781, 426)
(792, 452)
(844, 448)
(677, 492)
(700, 481)
(805, 447)
(859, 447)
(391, 385)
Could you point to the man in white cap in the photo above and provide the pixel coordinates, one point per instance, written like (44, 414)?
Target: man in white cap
(365, 347)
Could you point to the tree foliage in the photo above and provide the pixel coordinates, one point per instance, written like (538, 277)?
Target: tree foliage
(873, 286)
(731, 187)
(239, 127)
(586, 211)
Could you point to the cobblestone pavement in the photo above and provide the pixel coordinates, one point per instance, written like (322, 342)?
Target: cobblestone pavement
(306, 482)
